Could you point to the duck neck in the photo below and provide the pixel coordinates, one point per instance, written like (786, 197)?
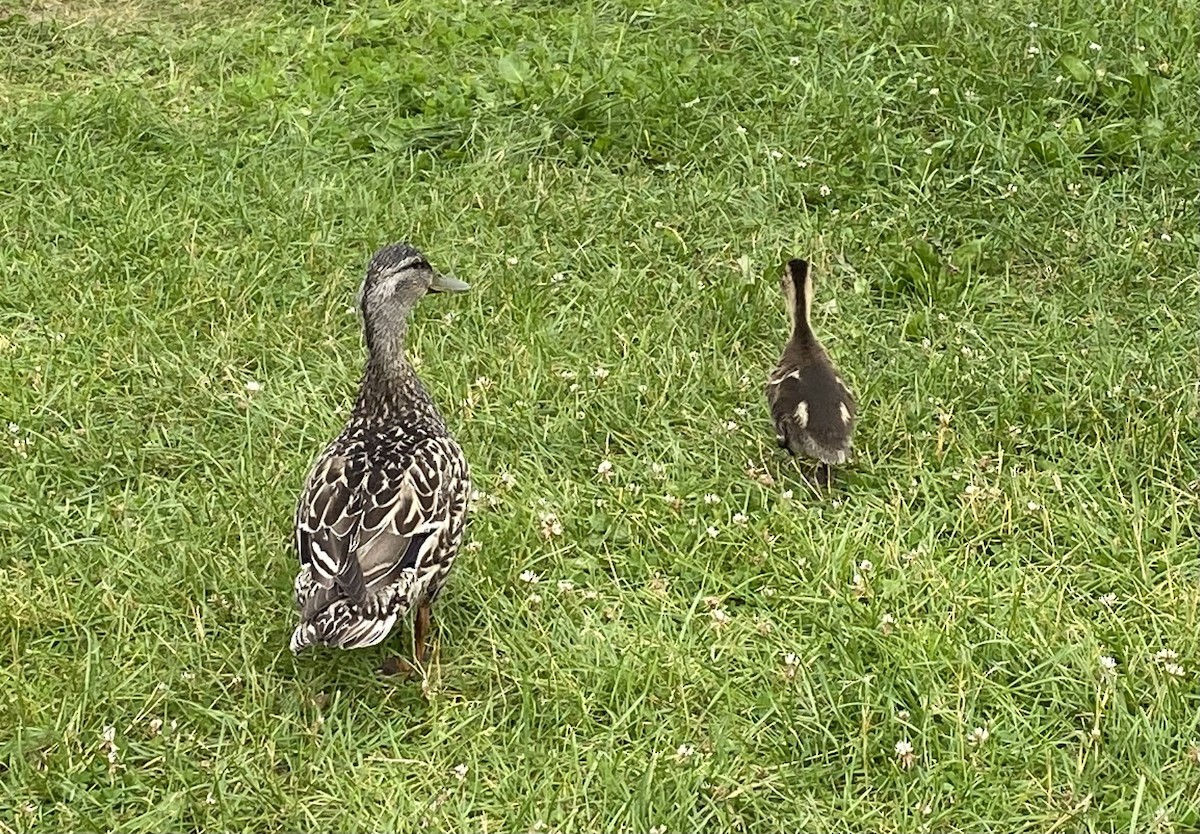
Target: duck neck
(389, 380)
(386, 343)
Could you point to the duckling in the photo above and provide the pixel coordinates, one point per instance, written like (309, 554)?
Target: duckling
(381, 516)
(813, 409)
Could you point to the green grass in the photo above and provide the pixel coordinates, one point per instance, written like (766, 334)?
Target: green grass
(1005, 227)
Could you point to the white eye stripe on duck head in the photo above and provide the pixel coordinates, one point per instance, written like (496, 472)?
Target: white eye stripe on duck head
(413, 262)
(403, 271)
(394, 257)
(412, 274)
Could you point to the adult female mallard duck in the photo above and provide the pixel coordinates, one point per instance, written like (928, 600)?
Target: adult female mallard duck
(811, 405)
(381, 516)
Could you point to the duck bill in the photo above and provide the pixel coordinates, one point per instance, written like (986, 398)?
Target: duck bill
(447, 283)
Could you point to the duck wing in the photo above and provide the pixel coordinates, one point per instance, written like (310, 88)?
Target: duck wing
(365, 531)
(327, 533)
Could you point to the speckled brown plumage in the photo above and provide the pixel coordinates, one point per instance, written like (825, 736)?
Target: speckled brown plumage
(381, 517)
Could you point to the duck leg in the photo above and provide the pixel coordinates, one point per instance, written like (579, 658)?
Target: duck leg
(422, 624)
(421, 627)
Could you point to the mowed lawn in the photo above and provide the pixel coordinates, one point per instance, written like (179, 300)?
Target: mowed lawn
(990, 623)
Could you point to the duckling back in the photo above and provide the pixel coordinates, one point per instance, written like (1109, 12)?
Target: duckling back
(813, 410)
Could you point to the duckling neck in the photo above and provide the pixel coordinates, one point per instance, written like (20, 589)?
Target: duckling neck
(391, 388)
(800, 306)
(802, 333)
(386, 343)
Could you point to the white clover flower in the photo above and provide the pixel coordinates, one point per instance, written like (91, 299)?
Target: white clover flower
(551, 526)
(887, 624)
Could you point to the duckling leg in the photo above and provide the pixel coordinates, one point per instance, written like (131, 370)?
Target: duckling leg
(421, 624)
(825, 476)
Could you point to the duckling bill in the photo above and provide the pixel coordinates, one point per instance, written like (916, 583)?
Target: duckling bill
(381, 516)
(811, 405)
